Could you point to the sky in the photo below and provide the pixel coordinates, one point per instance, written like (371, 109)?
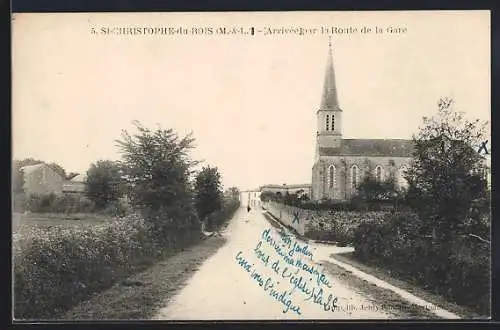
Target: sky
(250, 100)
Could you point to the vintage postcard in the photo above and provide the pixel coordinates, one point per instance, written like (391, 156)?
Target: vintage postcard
(251, 165)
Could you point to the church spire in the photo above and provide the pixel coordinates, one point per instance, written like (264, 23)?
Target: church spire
(329, 99)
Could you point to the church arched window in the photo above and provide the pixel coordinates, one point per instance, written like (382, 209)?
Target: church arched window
(402, 181)
(354, 177)
(379, 173)
(331, 176)
(327, 122)
(333, 122)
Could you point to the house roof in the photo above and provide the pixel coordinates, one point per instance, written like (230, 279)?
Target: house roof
(79, 178)
(31, 168)
(371, 147)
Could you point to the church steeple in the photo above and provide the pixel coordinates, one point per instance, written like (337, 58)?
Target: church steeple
(329, 114)
(329, 100)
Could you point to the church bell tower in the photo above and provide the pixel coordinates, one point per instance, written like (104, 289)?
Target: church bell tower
(329, 114)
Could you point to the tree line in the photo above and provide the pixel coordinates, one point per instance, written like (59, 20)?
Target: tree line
(155, 175)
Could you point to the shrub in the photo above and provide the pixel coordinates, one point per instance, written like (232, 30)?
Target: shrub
(352, 205)
(104, 184)
(117, 208)
(339, 226)
(457, 269)
(220, 218)
(58, 267)
(51, 203)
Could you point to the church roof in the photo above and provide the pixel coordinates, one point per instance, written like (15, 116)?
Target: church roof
(371, 147)
(329, 100)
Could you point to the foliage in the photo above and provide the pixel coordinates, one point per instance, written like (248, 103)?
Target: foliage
(104, 183)
(51, 203)
(58, 169)
(458, 269)
(221, 217)
(293, 199)
(232, 193)
(69, 203)
(208, 192)
(156, 167)
(370, 190)
(267, 196)
(443, 179)
(59, 266)
(157, 170)
(340, 226)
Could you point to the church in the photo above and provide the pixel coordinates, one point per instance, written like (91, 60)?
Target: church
(341, 164)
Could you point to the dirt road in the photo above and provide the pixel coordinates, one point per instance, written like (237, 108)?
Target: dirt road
(223, 289)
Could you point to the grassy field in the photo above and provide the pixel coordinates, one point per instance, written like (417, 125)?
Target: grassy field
(25, 226)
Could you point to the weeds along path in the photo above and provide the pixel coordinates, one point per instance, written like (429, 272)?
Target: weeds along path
(140, 296)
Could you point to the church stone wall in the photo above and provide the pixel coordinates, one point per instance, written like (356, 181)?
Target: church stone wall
(343, 189)
(322, 224)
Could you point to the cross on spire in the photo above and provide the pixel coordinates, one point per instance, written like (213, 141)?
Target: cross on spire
(329, 99)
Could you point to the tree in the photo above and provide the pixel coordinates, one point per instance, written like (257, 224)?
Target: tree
(208, 192)
(104, 183)
(267, 196)
(157, 170)
(442, 177)
(58, 169)
(370, 190)
(233, 193)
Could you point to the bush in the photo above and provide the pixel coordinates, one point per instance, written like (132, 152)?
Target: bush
(58, 267)
(457, 269)
(220, 218)
(118, 208)
(339, 226)
(51, 203)
(175, 226)
(353, 205)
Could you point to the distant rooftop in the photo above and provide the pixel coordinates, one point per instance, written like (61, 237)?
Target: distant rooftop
(79, 178)
(290, 186)
(30, 168)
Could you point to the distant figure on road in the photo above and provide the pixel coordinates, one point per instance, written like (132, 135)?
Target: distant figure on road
(248, 208)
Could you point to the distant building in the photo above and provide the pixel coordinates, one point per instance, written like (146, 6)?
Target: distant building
(41, 179)
(76, 185)
(284, 188)
(250, 198)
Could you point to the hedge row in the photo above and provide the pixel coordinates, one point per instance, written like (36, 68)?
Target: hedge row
(329, 225)
(220, 218)
(458, 269)
(67, 203)
(59, 267)
(339, 226)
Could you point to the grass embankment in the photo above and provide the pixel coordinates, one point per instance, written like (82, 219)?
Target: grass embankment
(142, 295)
(391, 276)
(55, 267)
(59, 263)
